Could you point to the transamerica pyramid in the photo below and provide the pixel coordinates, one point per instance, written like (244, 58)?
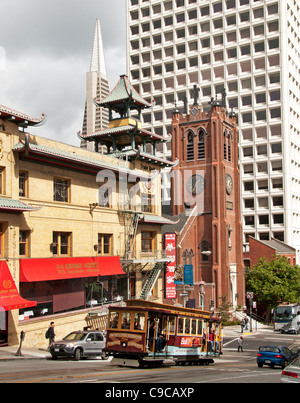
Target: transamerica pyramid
(97, 86)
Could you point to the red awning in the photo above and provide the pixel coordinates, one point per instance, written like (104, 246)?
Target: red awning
(71, 267)
(9, 296)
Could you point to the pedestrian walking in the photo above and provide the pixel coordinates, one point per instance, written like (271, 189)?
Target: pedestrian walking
(50, 335)
(242, 325)
(240, 344)
(246, 322)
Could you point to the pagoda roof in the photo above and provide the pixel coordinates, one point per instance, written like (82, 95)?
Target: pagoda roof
(133, 154)
(71, 160)
(154, 219)
(106, 134)
(19, 118)
(11, 205)
(124, 91)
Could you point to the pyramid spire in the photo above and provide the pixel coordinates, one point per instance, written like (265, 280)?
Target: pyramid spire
(97, 59)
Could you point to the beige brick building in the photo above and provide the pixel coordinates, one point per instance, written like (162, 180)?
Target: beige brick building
(76, 232)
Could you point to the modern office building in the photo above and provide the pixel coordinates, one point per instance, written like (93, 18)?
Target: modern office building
(97, 86)
(250, 49)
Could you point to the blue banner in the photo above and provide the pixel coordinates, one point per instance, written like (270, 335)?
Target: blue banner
(188, 274)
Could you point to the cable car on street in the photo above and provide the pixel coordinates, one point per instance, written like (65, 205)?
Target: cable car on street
(146, 333)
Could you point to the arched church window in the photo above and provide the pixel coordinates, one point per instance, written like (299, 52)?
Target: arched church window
(204, 251)
(190, 147)
(201, 145)
(225, 144)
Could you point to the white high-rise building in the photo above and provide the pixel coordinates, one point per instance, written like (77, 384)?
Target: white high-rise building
(252, 49)
(97, 86)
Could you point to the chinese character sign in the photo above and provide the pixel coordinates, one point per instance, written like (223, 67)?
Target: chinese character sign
(170, 246)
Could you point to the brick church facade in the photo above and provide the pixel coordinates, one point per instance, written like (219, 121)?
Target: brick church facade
(206, 192)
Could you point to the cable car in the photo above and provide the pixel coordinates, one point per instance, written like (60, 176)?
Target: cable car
(146, 333)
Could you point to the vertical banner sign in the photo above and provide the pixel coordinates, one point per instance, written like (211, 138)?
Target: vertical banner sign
(170, 247)
(188, 274)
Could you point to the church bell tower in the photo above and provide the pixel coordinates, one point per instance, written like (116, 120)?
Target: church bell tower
(206, 186)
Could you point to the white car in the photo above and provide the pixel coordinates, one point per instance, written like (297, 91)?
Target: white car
(291, 373)
(80, 345)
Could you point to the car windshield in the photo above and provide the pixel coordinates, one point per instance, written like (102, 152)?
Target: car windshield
(283, 313)
(74, 336)
(270, 349)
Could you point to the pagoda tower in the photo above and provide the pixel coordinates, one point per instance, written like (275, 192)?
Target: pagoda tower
(126, 140)
(125, 137)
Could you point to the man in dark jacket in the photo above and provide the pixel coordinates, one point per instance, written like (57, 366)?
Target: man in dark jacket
(51, 334)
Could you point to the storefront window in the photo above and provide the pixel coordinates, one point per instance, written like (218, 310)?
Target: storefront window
(71, 294)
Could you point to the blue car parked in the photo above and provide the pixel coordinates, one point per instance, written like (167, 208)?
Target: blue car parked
(274, 355)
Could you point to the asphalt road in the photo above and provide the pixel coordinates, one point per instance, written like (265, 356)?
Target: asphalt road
(231, 367)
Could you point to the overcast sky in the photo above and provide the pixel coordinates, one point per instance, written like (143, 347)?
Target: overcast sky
(45, 51)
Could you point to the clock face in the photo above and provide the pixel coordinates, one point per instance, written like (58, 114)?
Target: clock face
(195, 184)
(229, 184)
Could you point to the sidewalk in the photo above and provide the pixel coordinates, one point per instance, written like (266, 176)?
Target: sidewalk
(9, 353)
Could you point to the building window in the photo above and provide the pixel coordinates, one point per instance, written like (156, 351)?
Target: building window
(104, 244)
(23, 243)
(190, 147)
(61, 190)
(23, 184)
(2, 181)
(147, 202)
(201, 145)
(61, 243)
(147, 241)
(104, 197)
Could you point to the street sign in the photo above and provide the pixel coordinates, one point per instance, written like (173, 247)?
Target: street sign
(184, 294)
(250, 295)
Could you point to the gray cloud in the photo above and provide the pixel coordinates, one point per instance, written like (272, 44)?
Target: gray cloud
(48, 48)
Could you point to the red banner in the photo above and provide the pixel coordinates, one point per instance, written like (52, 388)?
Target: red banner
(170, 247)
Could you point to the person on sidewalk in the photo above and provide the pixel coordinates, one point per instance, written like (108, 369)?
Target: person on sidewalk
(240, 344)
(242, 325)
(246, 322)
(50, 334)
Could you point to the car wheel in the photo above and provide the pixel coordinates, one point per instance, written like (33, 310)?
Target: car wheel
(77, 354)
(54, 357)
(260, 364)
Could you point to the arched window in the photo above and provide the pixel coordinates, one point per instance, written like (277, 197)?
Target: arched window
(190, 147)
(201, 145)
(225, 144)
(205, 252)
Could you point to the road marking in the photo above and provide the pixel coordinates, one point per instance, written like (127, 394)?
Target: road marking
(253, 373)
